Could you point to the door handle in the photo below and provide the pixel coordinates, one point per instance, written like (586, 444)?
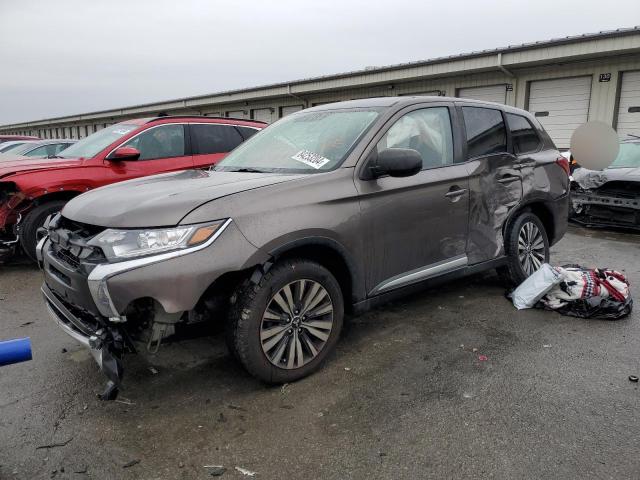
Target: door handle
(455, 193)
(509, 179)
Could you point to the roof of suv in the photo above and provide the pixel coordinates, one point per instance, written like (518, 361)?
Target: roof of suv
(212, 119)
(399, 101)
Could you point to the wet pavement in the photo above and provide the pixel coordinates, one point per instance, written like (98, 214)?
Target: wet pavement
(407, 395)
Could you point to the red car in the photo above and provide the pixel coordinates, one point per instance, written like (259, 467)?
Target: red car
(10, 138)
(32, 189)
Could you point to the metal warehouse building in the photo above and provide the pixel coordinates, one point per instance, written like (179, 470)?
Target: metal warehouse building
(564, 82)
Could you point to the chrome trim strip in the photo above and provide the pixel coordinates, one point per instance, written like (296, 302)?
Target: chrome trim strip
(39, 248)
(68, 330)
(420, 274)
(103, 272)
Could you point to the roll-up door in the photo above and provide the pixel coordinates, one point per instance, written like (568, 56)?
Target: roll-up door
(492, 93)
(236, 114)
(561, 105)
(628, 120)
(262, 115)
(284, 111)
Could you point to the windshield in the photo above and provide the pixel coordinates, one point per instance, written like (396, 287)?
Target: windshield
(302, 143)
(93, 144)
(10, 148)
(628, 156)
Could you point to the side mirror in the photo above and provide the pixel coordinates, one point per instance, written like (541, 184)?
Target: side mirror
(397, 162)
(124, 153)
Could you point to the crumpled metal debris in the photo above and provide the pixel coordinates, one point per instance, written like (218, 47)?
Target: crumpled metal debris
(589, 179)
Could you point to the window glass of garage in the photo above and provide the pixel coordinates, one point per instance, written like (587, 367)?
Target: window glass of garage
(214, 138)
(486, 132)
(164, 141)
(428, 131)
(524, 136)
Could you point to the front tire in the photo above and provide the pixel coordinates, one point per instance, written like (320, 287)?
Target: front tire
(283, 328)
(33, 221)
(526, 246)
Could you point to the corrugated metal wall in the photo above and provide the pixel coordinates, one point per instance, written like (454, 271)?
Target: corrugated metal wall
(272, 103)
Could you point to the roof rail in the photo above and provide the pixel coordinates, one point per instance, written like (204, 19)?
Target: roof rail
(162, 117)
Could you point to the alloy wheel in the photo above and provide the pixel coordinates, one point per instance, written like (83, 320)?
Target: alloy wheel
(296, 324)
(531, 248)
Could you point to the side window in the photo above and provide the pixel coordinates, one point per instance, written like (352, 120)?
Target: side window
(164, 141)
(38, 152)
(428, 131)
(247, 132)
(524, 136)
(60, 147)
(486, 133)
(214, 138)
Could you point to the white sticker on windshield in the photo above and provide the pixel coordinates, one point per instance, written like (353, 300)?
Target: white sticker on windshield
(122, 131)
(312, 159)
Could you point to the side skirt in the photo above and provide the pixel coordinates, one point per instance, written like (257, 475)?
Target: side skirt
(372, 302)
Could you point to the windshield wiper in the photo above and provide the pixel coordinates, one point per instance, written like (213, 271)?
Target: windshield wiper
(246, 169)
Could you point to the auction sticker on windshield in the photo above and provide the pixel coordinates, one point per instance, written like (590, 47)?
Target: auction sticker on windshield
(312, 159)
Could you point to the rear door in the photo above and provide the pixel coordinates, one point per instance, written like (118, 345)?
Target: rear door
(211, 142)
(163, 148)
(415, 227)
(495, 181)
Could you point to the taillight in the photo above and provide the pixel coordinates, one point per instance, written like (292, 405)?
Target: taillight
(563, 163)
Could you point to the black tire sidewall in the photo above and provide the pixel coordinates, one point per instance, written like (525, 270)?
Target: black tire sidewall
(34, 220)
(247, 331)
(515, 273)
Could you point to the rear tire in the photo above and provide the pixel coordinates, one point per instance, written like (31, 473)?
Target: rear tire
(33, 221)
(283, 328)
(526, 246)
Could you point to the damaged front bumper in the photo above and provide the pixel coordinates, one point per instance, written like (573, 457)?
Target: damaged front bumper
(106, 344)
(592, 208)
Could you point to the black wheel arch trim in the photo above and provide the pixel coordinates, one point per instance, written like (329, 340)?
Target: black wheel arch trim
(358, 291)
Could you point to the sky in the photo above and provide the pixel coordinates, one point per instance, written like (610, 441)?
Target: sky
(68, 57)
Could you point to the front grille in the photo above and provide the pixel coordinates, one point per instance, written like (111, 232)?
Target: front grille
(69, 243)
(67, 257)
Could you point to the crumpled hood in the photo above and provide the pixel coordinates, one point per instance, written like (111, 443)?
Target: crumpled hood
(625, 174)
(11, 164)
(162, 200)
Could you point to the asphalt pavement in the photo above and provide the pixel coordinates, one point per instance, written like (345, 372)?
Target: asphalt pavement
(449, 383)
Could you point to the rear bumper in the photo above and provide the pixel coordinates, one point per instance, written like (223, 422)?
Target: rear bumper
(560, 209)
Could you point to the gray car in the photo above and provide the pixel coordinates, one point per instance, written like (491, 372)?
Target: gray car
(36, 148)
(330, 210)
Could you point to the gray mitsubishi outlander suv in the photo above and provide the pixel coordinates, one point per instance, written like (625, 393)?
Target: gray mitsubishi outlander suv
(330, 210)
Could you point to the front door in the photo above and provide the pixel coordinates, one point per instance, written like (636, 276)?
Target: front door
(162, 149)
(495, 181)
(415, 227)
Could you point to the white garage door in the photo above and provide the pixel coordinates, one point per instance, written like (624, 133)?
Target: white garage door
(284, 111)
(236, 114)
(493, 93)
(432, 93)
(561, 106)
(262, 115)
(629, 106)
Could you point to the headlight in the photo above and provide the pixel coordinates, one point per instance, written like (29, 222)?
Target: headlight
(124, 244)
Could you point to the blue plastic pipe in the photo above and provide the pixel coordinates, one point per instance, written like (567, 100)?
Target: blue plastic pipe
(15, 351)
